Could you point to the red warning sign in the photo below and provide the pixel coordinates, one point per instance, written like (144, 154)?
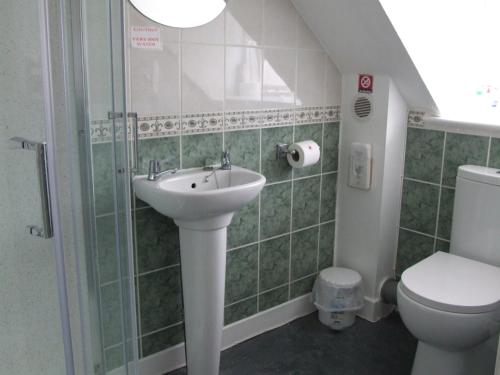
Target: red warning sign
(365, 83)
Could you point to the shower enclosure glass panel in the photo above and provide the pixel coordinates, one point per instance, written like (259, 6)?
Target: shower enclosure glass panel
(32, 340)
(108, 129)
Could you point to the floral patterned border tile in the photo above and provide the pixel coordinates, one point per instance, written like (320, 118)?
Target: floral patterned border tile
(309, 115)
(202, 123)
(195, 123)
(416, 118)
(332, 113)
(159, 126)
(277, 117)
(242, 120)
(101, 131)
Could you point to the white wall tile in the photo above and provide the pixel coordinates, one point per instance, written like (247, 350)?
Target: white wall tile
(280, 19)
(154, 75)
(305, 37)
(243, 78)
(310, 78)
(210, 33)
(279, 78)
(99, 67)
(135, 18)
(258, 54)
(202, 78)
(244, 22)
(333, 83)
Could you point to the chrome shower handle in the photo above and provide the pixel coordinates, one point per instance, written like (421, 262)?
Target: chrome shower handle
(40, 149)
(135, 127)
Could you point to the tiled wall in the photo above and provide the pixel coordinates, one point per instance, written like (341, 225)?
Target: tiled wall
(254, 77)
(432, 159)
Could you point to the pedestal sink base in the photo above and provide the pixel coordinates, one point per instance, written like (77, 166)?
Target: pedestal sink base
(203, 263)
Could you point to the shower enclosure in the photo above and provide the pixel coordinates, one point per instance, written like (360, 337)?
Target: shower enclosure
(67, 284)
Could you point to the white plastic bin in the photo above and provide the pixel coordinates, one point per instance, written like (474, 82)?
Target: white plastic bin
(338, 295)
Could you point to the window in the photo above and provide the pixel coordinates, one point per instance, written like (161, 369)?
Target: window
(455, 45)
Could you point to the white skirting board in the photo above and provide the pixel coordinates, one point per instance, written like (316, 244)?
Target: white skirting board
(374, 309)
(173, 358)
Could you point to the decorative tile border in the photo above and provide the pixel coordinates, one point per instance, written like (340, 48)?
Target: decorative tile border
(101, 131)
(416, 119)
(332, 113)
(242, 120)
(200, 123)
(160, 126)
(309, 115)
(278, 117)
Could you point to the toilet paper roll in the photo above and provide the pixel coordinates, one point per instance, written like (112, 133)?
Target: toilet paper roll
(303, 154)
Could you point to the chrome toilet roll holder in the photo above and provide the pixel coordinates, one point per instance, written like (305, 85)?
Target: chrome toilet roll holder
(282, 151)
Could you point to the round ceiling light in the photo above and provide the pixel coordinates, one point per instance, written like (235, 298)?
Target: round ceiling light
(180, 13)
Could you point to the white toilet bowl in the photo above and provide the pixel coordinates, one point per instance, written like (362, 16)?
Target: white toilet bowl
(451, 305)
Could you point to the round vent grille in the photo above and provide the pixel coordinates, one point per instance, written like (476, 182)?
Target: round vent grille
(362, 107)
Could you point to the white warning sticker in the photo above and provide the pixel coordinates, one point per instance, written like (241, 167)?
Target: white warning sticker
(145, 37)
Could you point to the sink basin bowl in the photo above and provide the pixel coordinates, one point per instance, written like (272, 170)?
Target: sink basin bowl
(196, 195)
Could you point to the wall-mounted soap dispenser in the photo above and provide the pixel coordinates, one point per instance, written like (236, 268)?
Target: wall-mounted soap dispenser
(360, 166)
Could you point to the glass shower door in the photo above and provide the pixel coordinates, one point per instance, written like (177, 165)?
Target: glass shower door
(34, 334)
(108, 127)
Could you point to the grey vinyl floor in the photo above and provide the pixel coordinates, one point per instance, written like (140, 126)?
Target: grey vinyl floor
(305, 346)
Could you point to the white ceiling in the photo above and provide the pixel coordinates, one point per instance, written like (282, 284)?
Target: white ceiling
(361, 39)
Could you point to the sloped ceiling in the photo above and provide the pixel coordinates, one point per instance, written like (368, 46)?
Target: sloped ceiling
(360, 38)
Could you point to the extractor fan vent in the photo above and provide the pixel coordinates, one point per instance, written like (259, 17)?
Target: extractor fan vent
(362, 107)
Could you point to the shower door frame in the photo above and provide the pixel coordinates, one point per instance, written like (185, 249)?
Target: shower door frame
(79, 56)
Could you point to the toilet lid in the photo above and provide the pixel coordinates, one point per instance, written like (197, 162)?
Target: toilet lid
(452, 283)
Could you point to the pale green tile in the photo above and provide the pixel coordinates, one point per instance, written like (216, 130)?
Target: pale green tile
(244, 227)
(274, 262)
(326, 243)
(275, 209)
(460, 150)
(330, 149)
(106, 249)
(157, 239)
(273, 298)
(160, 297)
(240, 310)
(424, 154)
(495, 153)
(244, 147)
(164, 339)
(442, 245)
(164, 149)
(275, 170)
(305, 202)
(412, 248)
(102, 178)
(241, 273)
(328, 197)
(113, 357)
(201, 149)
(304, 253)
(302, 286)
(419, 206)
(446, 213)
(111, 314)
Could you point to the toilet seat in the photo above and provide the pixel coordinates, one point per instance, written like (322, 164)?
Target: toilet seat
(452, 283)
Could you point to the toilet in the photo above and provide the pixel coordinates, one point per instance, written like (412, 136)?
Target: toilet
(451, 301)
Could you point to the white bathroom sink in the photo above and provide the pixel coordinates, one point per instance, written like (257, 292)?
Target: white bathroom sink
(202, 203)
(197, 195)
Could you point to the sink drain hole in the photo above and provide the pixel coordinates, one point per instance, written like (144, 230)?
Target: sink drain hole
(193, 185)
